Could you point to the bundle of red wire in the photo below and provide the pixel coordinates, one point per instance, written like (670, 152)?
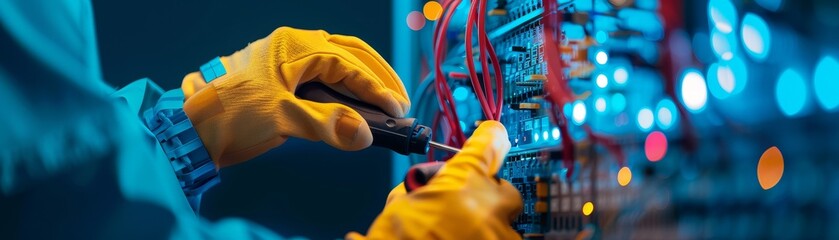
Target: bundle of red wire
(491, 103)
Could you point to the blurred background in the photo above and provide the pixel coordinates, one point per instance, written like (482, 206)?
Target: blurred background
(288, 189)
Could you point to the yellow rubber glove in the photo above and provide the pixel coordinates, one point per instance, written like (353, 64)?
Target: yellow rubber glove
(462, 201)
(253, 108)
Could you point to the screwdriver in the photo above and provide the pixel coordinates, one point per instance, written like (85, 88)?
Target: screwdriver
(402, 135)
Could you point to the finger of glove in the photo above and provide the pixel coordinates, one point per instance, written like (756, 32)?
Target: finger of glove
(335, 124)
(354, 236)
(376, 63)
(339, 66)
(396, 193)
(484, 151)
(511, 202)
(192, 83)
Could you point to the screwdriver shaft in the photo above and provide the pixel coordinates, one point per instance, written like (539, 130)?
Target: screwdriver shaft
(443, 147)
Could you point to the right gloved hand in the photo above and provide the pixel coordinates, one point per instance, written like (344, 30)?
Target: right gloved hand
(462, 201)
(253, 108)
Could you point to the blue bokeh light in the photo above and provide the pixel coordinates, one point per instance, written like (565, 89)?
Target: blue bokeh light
(791, 92)
(723, 15)
(756, 36)
(601, 37)
(618, 102)
(724, 45)
(826, 83)
(666, 114)
(771, 5)
(727, 78)
(460, 94)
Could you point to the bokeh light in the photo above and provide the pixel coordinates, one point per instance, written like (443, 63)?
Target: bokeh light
(666, 114)
(588, 208)
(694, 91)
(724, 45)
(601, 37)
(601, 80)
(579, 112)
(771, 5)
(601, 57)
(655, 147)
(791, 92)
(727, 78)
(460, 94)
(770, 168)
(555, 133)
(756, 36)
(621, 75)
(645, 119)
(416, 20)
(624, 176)
(545, 135)
(723, 15)
(826, 83)
(535, 137)
(432, 10)
(600, 104)
(618, 102)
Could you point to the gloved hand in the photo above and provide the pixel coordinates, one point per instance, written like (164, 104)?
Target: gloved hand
(253, 108)
(462, 201)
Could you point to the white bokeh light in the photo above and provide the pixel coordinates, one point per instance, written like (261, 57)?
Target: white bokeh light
(694, 90)
(579, 112)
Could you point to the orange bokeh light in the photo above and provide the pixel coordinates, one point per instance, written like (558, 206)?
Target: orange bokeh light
(432, 10)
(770, 168)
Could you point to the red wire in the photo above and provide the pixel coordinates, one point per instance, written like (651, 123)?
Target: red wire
(444, 94)
(491, 104)
(470, 62)
(482, 47)
(499, 79)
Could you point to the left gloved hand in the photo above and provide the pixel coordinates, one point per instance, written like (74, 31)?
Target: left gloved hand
(252, 108)
(462, 201)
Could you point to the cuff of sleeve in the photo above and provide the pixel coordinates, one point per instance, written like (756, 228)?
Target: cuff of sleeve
(190, 160)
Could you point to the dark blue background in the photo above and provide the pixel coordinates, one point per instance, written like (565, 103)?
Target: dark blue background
(299, 189)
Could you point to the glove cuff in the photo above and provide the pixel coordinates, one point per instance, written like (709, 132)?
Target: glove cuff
(190, 160)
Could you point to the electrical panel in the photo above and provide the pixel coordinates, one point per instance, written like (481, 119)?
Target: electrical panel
(648, 119)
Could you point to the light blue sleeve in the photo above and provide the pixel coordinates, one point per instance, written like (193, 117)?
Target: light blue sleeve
(153, 179)
(76, 160)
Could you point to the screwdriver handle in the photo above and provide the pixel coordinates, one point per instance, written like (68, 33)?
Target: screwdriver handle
(402, 135)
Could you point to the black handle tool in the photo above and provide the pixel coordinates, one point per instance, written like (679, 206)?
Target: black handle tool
(402, 135)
